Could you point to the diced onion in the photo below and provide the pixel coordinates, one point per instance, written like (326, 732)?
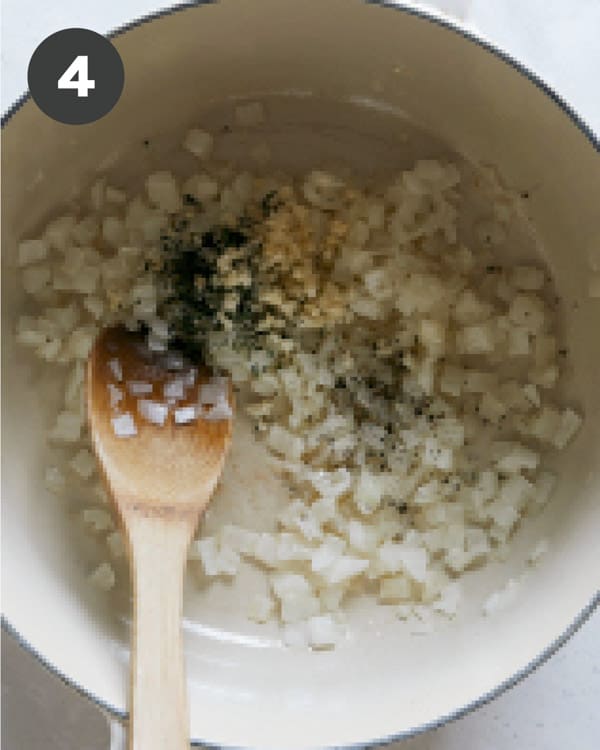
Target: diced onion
(153, 411)
(124, 425)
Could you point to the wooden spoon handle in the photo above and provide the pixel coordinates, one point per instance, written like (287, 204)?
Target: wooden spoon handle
(159, 705)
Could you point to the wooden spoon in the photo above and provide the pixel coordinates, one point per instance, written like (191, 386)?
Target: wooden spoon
(161, 479)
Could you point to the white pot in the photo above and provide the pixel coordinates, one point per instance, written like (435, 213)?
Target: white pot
(384, 683)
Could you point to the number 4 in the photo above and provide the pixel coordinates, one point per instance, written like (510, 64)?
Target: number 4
(76, 77)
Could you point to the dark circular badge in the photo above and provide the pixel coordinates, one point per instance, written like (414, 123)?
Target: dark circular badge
(76, 76)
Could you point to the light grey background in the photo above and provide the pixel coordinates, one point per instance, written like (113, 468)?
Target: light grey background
(556, 708)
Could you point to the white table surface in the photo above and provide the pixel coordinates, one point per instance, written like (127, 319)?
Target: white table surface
(556, 708)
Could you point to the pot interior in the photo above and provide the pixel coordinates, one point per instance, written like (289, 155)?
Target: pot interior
(343, 83)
